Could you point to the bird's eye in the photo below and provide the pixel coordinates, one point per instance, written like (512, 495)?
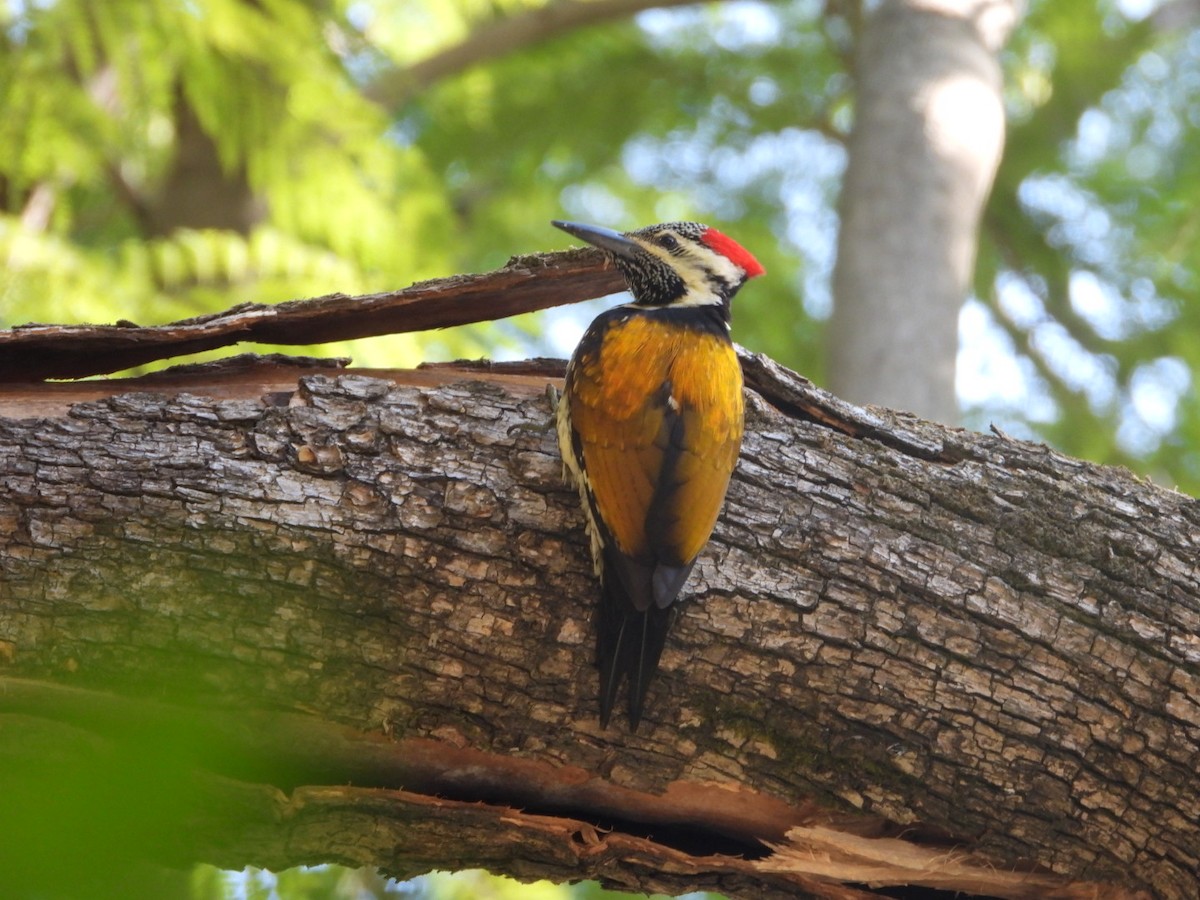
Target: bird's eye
(668, 242)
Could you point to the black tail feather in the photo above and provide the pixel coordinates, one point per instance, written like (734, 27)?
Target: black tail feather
(610, 638)
(628, 646)
(654, 625)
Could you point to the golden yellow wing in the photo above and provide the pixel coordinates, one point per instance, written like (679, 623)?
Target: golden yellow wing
(707, 387)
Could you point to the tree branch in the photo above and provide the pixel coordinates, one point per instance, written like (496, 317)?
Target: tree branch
(970, 653)
(33, 352)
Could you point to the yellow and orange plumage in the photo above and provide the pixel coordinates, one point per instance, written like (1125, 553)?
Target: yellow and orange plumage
(650, 424)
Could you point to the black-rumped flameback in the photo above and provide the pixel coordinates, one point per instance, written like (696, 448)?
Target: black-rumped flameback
(650, 424)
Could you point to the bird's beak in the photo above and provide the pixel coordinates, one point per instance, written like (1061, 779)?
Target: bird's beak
(604, 238)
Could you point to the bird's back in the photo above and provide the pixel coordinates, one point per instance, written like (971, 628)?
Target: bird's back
(651, 431)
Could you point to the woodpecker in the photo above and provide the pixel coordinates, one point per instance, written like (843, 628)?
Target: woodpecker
(649, 426)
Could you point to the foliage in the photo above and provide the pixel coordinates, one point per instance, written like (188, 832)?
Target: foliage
(337, 883)
(1086, 259)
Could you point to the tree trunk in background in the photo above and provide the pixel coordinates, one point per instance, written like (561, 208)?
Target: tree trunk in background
(250, 621)
(198, 191)
(928, 133)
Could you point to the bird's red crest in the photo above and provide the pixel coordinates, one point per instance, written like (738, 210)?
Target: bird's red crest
(733, 251)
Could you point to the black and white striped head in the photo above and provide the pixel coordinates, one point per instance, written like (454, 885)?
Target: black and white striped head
(675, 263)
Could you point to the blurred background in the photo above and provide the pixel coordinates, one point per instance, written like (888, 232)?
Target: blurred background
(162, 159)
(328, 882)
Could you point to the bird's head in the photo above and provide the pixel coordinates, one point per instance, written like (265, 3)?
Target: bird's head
(676, 263)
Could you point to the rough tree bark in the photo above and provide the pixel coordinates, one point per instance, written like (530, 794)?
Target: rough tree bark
(928, 133)
(277, 618)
